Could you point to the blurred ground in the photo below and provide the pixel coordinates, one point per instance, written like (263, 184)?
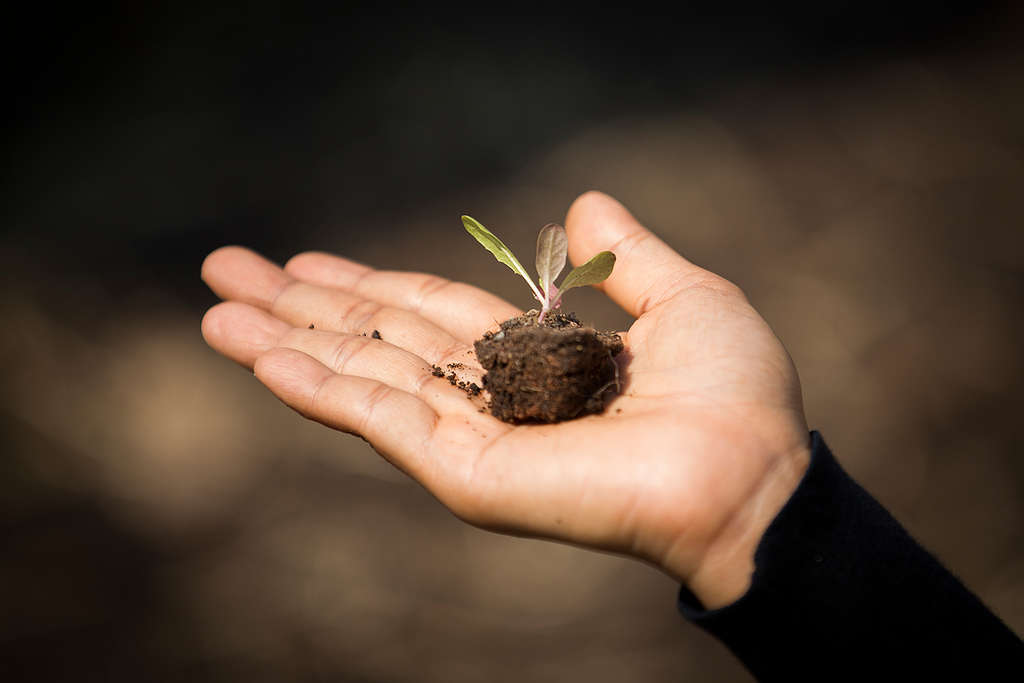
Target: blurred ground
(163, 514)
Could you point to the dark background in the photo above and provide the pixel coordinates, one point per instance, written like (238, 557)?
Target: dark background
(857, 168)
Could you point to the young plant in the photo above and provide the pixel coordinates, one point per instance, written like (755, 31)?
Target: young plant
(552, 246)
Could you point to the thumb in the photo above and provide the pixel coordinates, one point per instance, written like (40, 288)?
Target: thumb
(647, 271)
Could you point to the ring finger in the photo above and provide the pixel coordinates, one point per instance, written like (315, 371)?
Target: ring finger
(244, 333)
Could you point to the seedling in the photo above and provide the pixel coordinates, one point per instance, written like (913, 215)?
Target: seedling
(552, 246)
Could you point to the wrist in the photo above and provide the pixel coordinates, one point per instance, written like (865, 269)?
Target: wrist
(724, 572)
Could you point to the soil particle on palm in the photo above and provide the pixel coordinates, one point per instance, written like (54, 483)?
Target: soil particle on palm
(472, 389)
(376, 334)
(554, 371)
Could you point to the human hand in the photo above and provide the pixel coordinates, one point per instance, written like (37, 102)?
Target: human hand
(684, 470)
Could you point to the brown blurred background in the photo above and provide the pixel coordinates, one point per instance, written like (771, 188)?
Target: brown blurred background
(857, 169)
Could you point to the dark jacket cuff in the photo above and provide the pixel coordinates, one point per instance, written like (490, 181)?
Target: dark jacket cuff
(840, 590)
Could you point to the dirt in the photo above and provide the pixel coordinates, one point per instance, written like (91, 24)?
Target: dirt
(471, 388)
(555, 371)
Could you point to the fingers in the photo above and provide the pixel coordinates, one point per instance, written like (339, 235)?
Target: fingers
(244, 333)
(463, 310)
(397, 424)
(647, 271)
(241, 275)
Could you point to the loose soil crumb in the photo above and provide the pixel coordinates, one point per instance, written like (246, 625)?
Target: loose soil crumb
(551, 372)
(452, 378)
(311, 326)
(376, 334)
(472, 389)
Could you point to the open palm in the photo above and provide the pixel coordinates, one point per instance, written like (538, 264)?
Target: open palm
(685, 469)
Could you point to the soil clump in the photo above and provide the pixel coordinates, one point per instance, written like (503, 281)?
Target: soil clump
(555, 371)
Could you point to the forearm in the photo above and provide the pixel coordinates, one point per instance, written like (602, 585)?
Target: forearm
(727, 566)
(841, 590)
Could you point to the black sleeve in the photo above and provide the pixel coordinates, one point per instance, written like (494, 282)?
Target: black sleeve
(840, 591)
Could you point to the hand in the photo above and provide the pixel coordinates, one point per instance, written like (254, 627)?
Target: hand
(684, 470)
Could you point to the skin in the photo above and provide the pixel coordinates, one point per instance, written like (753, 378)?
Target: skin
(685, 470)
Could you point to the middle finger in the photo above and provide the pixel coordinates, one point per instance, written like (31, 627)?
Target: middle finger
(238, 274)
(463, 310)
(306, 305)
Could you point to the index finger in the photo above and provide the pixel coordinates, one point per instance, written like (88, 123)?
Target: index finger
(462, 310)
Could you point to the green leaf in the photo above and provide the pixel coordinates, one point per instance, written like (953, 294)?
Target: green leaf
(593, 271)
(552, 246)
(494, 245)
